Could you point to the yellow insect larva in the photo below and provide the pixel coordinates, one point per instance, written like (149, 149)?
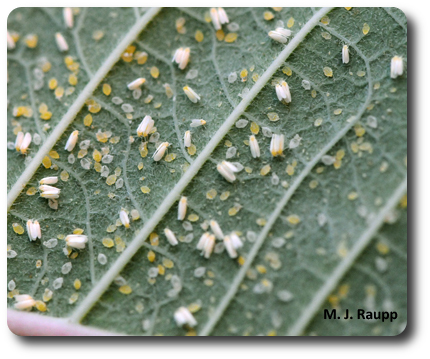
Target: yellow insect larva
(216, 229)
(182, 208)
(24, 302)
(170, 237)
(191, 94)
(123, 216)
(160, 151)
(24, 143)
(10, 42)
(76, 240)
(18, 141)
(280, 34)
(231, 243)
(277, 145)
(253, 145)
(197, 123)
(183, 317)
(61, 42)
(134, 85)
(49, 191)
(68, 17)
(345, 54)
(396, 67)
(227, 170)
(71, 142)
(206, 244)
(283, 92)
(145, 126)
(181, 57)
(33, 230)
(187, 139)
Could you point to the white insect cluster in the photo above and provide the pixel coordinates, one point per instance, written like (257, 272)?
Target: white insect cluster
(181, 57)
(184, 317)
(33, 230)
(277, 145)
(232, 242)
(227, 170)
(280, 35)
(145, 126)
(253, 145)
(206, 244)
(76, 241)
(22, 142)
(47, 191)
(219, 17)
(396, 67)
(283, 92)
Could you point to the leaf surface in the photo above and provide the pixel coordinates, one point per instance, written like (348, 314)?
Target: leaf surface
(314, 234)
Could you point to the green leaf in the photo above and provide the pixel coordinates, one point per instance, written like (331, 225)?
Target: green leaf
(316, 235)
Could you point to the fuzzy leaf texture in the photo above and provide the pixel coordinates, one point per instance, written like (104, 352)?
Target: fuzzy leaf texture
(316, 234)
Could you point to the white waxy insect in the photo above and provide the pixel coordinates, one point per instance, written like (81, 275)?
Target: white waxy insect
(184, 317)
(49, 191)
(10, 42)
(160, 151)
(182, 208)
(206, 244)
(22, 142)
(345, 54)
(71, 142)
(216, 229)
(170, 237)
(24, 302)
(280, 34)
(227, 170)
(191, 94)
(228, 244)
(134, 85)
(145, 126)
(49, 180)
(33, 230)
(222, 15)
(68, 17)
(18, 141)
(197, 123)
(277, 145)
(181, 57)
(187, 139)
(76, 241)
(61, 42)
(253, 145)
(283, 92)
(396, 67)
(215, 19)
(123, 216)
